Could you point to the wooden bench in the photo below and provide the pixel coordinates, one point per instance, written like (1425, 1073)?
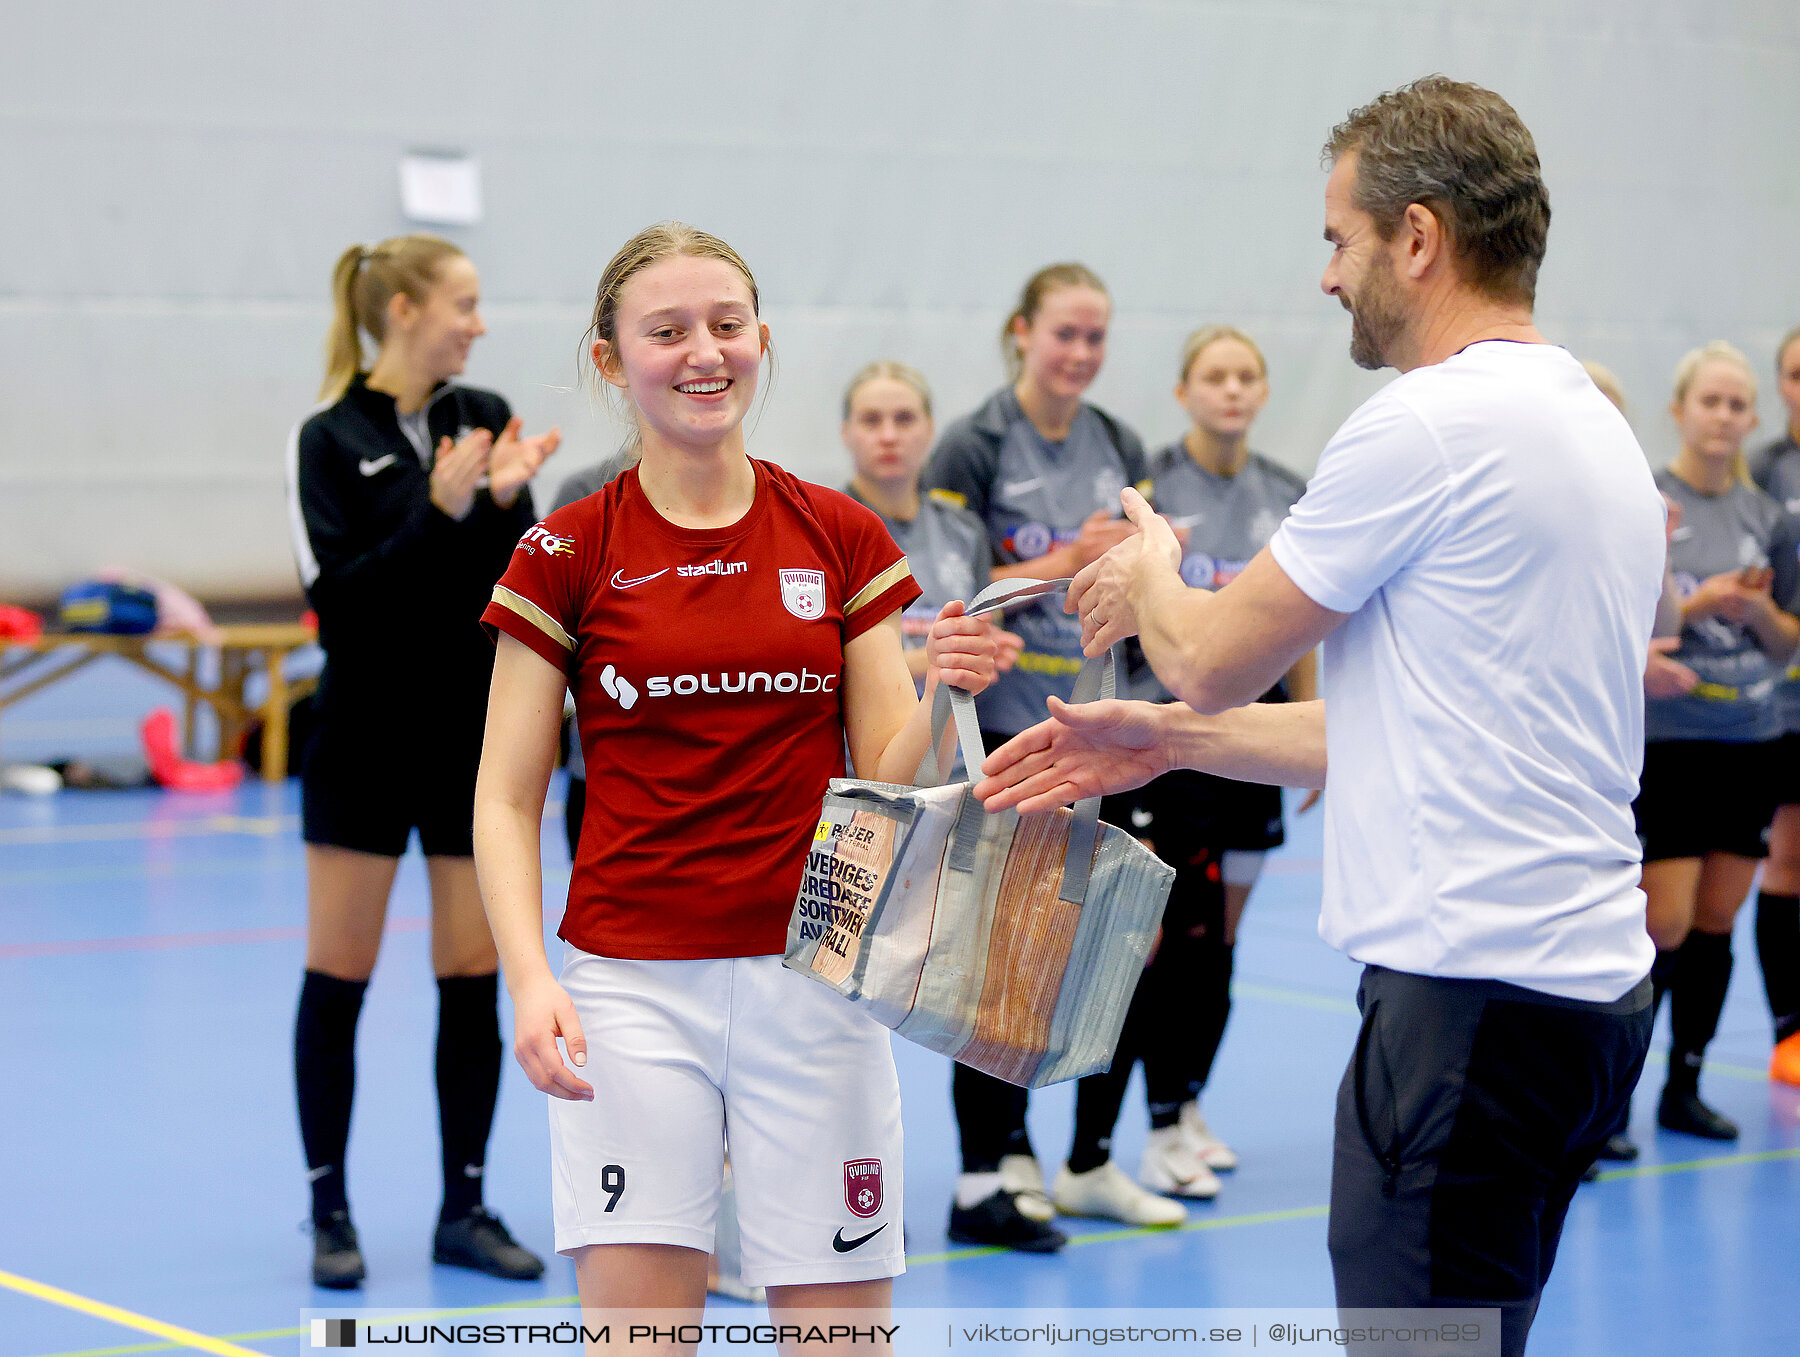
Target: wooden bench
(30, 667)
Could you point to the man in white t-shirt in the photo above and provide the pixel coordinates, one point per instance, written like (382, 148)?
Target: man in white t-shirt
(1480, 552)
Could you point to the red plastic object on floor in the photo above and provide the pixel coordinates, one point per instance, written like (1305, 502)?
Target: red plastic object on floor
(162, 751)
(19, 624)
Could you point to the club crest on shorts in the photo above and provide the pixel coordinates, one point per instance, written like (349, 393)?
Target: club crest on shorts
(862, 1186)
(803, 594)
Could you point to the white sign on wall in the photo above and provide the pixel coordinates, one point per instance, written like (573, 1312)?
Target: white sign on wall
(440, 188)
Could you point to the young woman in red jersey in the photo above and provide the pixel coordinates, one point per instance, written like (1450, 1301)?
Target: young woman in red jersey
(726, 629)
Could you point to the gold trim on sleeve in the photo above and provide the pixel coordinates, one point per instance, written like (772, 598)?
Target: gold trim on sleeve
(533, 614)
(878, 586)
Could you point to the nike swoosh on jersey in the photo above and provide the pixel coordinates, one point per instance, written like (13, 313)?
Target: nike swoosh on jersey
(620, 582)
(843, 1245)
(1682, 533)
(370, 468)
(1020, 487)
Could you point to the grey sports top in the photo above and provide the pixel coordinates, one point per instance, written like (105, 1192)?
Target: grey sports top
(1736, 700)
(1034, 495)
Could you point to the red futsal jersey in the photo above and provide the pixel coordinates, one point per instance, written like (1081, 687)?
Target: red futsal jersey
(706, 666)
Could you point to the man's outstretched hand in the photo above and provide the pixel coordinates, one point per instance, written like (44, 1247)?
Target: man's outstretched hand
(1092, 749)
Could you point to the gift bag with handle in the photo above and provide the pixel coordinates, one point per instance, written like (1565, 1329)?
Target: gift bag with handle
(1012, 943)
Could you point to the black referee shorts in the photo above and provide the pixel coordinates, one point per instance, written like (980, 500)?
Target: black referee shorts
(1707, 796)
(367, 789)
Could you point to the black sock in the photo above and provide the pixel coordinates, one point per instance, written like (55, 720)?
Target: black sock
(1695, 1002)
(990, 1118)
(325, 1082)
(1098, 1097)
(1778, 949)
(1212, 1005)
(468, 1083)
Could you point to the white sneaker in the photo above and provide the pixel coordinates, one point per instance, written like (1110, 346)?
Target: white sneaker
(1174, 1168)
(1217, 1154)
(1107, 1194)
(1021, 1176)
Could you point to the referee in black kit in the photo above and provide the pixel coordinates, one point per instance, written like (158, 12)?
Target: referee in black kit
(1480, 552)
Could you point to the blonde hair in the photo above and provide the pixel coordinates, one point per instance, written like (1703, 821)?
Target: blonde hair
(1602, 377)
(1719, 351)
(1041, 284)
(652, 245)
(364, 281)
(892, 370)
(1208, 335)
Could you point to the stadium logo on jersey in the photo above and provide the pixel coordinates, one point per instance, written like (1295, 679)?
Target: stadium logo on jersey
(862, 1186)
(618, 687)
(714, 568)
(535, 537)
(803, 593)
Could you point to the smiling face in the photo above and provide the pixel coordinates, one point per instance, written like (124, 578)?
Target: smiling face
(1361, 272)
(1225, 388)
(688, 349)
(1062, 347)
(888, 432)
(436, 334)
(1718, 410)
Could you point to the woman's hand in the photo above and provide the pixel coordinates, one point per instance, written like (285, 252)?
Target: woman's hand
(1665, 676)
(1733, 596)
(542, 1012)
(1007, 647)
(457, 470)
(962, 650)
(515, 460)
(1100, 533)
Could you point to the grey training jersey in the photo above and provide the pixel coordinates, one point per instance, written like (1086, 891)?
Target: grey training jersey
(1777, 470)
(947, 550)
(1228, 520)
(1736, 700)
(1034, 495)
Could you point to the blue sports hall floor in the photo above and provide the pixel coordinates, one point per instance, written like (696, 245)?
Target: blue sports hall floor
(150, 954)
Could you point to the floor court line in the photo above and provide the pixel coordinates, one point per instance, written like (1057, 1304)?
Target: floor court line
(224, 1345)
(99, 1309)
(161, 942)
(264, 826)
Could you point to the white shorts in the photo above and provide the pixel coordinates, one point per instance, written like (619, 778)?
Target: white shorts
(685, 1056)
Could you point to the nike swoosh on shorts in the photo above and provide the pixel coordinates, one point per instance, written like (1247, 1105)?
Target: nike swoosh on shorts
(369, 468)
(620, 582)
(1020, 487)
(843, 1245)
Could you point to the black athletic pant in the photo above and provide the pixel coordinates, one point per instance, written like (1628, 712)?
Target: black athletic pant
(1177, 1014)
(1465, 1119)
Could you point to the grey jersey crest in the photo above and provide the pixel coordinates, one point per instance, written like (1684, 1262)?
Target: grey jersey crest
(1742, 528)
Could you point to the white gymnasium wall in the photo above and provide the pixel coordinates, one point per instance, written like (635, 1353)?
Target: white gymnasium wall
(180, 177)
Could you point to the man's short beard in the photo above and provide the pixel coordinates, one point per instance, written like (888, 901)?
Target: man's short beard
(1376, 319)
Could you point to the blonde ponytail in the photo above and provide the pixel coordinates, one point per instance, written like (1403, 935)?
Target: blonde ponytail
(362, 284)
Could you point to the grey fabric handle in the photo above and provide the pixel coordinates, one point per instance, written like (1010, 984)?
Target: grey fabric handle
(1098, 680)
